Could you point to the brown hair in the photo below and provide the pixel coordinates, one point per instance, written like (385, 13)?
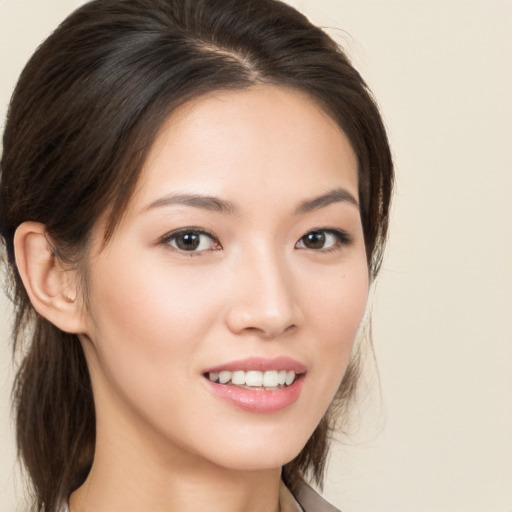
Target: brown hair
(81, 121)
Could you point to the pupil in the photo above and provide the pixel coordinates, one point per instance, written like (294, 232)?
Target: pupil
(188, 242)
(315, 240)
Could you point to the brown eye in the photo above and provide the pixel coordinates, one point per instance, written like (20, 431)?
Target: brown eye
(323, 240)
(314, 240)
(188, 242)
(191, 241)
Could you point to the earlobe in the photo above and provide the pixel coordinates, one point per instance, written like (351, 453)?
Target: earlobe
(52, 289)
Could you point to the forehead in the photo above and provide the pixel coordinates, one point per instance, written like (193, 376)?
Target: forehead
(266, 139)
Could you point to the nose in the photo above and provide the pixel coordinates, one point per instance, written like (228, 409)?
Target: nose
(263, 301)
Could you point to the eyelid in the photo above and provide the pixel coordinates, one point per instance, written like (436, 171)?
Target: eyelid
(342, 237)
(165, 240)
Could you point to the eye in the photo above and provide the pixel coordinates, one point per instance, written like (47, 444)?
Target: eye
(323, 240)
(191, 240)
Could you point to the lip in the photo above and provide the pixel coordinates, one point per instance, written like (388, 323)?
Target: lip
(260, 364)
(259, 400)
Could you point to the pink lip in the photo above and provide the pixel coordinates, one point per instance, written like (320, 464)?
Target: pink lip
(259, 400)
(260, 364)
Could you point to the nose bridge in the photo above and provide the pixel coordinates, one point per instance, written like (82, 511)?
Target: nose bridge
(264, 302)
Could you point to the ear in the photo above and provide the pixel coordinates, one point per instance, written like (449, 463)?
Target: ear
(52, 289)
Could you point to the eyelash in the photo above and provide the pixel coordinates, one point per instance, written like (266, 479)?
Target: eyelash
(167, 239)
(342, 239)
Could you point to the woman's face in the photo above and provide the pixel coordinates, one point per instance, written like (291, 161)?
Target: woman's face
(239, 264)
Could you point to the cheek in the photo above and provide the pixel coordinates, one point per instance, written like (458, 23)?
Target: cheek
(146, 336)
(336, 299)
(145, 324)
(336, 311)
(158, 302)
(344, 307)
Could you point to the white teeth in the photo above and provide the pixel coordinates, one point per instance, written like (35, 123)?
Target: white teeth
(224, 377)
(290, 377)
(254, 379)
(238, 378)
(270, 379)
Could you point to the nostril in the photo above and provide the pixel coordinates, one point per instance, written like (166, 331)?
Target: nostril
(269, 332)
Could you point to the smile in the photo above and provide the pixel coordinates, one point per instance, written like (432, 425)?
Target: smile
(257, 385)
(264, 380)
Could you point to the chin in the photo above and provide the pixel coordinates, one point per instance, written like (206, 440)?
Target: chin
(258, 451)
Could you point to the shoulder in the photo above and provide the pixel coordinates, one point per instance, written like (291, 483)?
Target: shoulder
(311, 501)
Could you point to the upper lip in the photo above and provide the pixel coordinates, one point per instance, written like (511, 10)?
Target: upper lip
(260, 364)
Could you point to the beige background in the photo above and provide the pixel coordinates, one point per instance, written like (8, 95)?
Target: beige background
(441, 438)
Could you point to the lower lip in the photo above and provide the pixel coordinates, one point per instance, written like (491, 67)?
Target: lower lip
(258, 400)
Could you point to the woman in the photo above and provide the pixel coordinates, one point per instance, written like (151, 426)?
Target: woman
(194, 201)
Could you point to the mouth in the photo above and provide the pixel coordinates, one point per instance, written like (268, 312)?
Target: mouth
(257, 385)
(270, 380)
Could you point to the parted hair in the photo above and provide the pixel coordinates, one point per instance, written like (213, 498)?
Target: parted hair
(83, 116)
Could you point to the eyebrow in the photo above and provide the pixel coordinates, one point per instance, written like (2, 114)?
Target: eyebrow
(337, 195)
(211, 203)
(215, 204)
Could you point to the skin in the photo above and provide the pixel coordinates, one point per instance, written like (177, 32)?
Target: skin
(157, 316)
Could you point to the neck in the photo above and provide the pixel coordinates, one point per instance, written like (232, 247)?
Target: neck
(192, 493)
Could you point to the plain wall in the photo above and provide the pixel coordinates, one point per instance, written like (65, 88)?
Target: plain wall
(440, 439)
